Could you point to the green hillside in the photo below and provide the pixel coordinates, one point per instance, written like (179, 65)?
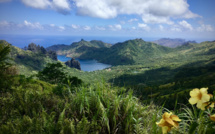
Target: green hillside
(54, 101)
(81, 48)
(28, 62)
(133, 52)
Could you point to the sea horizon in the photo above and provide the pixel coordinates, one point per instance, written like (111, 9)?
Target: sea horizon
(48, 40)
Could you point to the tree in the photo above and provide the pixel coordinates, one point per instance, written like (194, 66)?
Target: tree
(52, 55)
(4, 51)
(5, 67)
(53, 73)
(33, 47)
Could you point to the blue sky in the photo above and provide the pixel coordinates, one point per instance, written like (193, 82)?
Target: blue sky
(189, 19)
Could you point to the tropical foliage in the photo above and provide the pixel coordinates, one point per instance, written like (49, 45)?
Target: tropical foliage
(122, 99)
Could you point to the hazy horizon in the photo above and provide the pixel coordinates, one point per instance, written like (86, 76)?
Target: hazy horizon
(48, 40)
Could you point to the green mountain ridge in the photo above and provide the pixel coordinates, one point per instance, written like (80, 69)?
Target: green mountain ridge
(151, 70)
(27, 61)
(80, 48)
(136, 52)
(51, 102)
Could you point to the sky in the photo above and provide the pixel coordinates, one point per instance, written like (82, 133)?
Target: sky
(188, 19)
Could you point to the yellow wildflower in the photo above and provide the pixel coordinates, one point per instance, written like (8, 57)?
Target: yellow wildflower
(200, 97)
(168, 121)
(212, 117)
(208, 104)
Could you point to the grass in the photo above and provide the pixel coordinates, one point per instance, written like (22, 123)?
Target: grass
(104, 109)
(31, 106)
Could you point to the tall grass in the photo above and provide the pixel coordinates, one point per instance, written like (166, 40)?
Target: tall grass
(97, 108)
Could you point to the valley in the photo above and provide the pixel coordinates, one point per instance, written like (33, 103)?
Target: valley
(138, 65)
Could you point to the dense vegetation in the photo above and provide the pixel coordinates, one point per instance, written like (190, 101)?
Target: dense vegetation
(28, 62)
(58, 99)
(81, 49)
(33, 106)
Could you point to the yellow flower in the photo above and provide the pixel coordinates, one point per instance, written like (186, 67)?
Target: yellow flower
(208, 104)
(168, 121)
(200, 97)
(212, 117)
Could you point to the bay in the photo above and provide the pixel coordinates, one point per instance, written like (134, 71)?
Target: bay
(86, 65)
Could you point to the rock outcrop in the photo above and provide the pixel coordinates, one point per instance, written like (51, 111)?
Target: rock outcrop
(73, 63)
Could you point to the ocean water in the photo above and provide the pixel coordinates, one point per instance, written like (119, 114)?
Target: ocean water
(86, 65)
(23, 40)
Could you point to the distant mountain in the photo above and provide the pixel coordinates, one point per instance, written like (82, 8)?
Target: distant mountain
(80, 48)
(132, 52)
(172, 42)
(128, 52)
(138, 52)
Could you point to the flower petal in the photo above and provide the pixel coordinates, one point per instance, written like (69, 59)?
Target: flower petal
(194, 92)
(166, 115)
(161, 123)
(211, 95)
(165, 129)
(176, 124)
(170, 121)
(212, 105)
(175, 118)
(205, 98)
(204, 90)
(199, 104)
(212, 117)
(193, 100)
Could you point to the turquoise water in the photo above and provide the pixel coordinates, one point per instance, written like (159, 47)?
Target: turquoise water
(86, 65)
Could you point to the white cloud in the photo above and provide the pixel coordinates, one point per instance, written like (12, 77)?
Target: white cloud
(75, 26)
(161, 27)
(41, 4)
(62, 6)
(132, 20)
(87, 28)
(100, 28)
(151, 11)
(61, 28)
(144, 26)
(122, 22)
(52, 25)
(36, 25)
(148, 18)
(186, 25)
(115, 27)
(96, 8)
(207, 28)
(175, 29)
(4, 24)
(133, 28)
